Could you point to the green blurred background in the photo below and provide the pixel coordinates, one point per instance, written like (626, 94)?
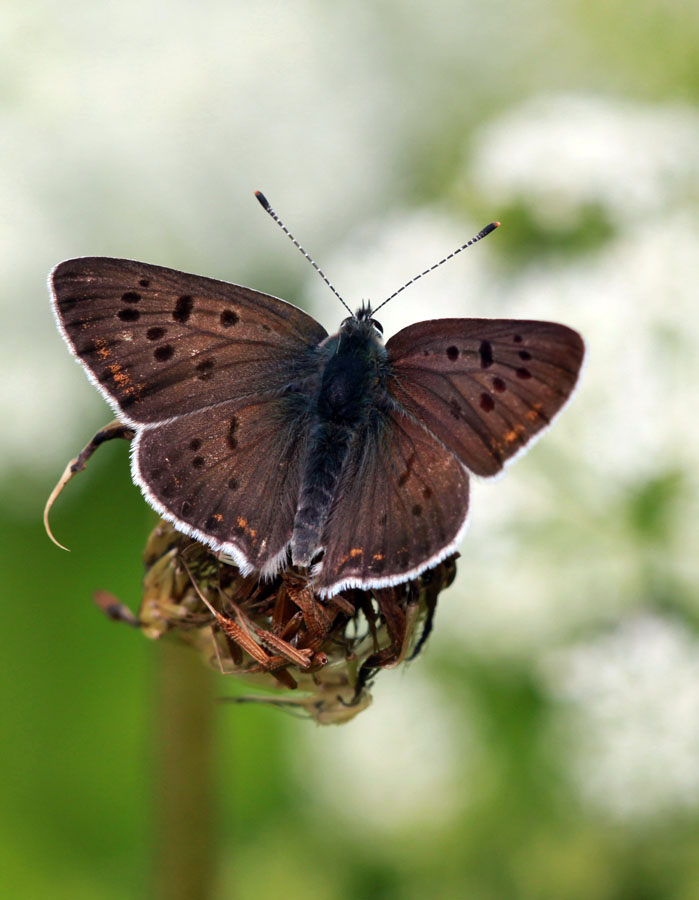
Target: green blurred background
(546, 744)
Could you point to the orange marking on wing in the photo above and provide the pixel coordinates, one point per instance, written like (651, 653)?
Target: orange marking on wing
(123, 381)
(101, 347)
(356, 551)
(517, 430)
(121, 378)
(535, 412)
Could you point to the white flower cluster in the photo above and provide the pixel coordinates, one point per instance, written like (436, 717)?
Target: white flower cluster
(559, 153)
(398, 764)
(631, 717)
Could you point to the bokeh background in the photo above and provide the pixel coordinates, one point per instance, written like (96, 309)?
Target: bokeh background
(545, 745)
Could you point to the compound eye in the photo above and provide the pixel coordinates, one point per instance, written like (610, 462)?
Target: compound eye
(346, 321)
(377, 325)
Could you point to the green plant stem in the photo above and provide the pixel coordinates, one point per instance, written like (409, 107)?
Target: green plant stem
(185, 814)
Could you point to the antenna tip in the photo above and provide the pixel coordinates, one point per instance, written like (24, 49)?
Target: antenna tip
(496, 224)
(488, 229)
(263, 200)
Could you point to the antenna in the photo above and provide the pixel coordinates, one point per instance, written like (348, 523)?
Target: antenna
(479, 237)
(264, 202)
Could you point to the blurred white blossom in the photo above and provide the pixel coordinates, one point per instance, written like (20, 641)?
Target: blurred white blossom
(560, 152)
(630, 705)
(399, 764)
(51, 413)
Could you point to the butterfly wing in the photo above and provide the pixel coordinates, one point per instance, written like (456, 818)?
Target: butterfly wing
(160, 343)
(212, 377)
(484, 387)
(400, 507)
(229, 476)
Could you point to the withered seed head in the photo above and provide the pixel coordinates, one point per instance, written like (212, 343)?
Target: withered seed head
(280, 634)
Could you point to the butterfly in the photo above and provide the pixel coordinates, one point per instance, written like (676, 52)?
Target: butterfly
(272, 442)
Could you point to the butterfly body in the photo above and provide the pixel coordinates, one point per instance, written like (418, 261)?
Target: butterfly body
(262, 436)
(352, 385)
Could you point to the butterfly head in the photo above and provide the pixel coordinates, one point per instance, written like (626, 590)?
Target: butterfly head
(362, 322)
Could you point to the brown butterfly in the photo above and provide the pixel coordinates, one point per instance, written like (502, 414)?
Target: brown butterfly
(267, 439)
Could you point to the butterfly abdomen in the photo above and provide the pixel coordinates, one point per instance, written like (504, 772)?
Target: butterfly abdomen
(328, 446)
(351, 378)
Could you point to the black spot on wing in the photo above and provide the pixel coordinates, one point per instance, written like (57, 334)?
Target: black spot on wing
(183, 309)
(155, 332)
(486, 354)
(229, 318)
(164, 353)
(487, 403)
(205, 368)
(230, 437)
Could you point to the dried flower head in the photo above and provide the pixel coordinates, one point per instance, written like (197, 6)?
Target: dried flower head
(279, 633)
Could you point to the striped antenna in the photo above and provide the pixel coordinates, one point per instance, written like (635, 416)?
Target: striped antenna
(264, 202)
(479, 237)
